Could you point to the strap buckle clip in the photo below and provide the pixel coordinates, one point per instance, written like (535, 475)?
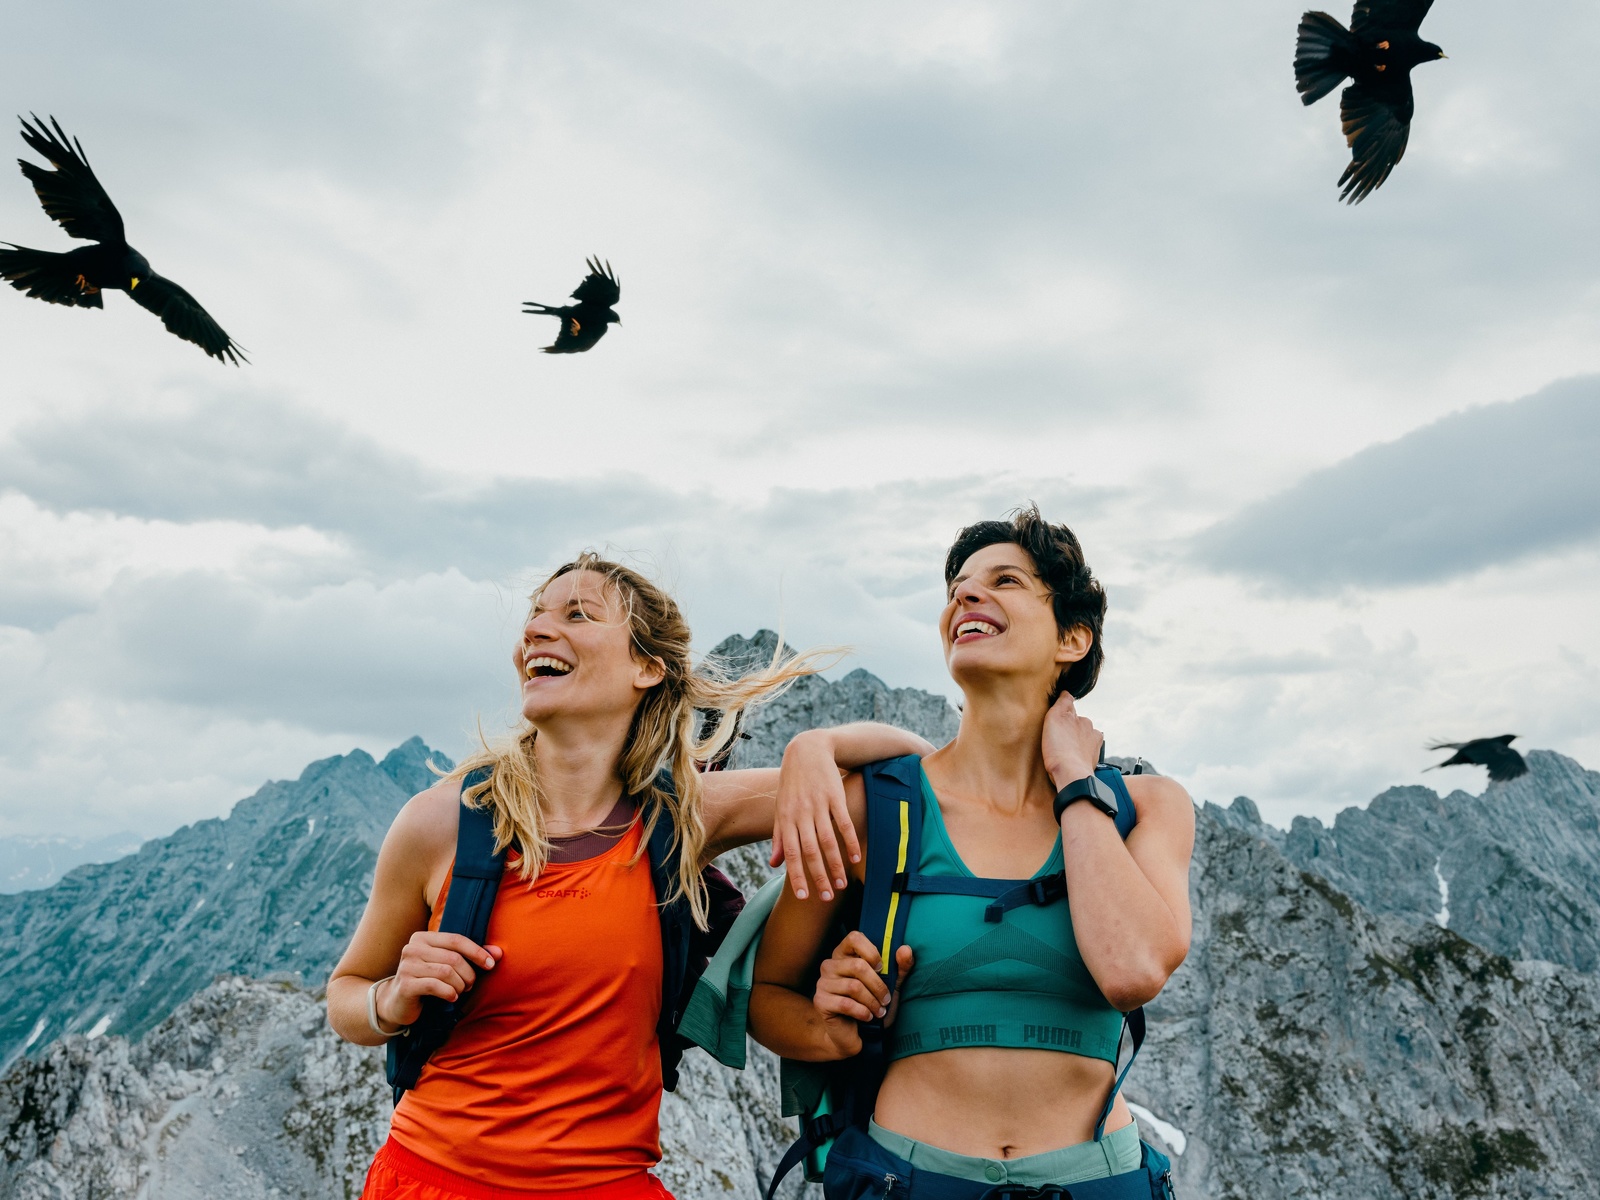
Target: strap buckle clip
(820, 1129)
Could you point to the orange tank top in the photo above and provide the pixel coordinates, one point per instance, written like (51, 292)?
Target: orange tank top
(552, 1080)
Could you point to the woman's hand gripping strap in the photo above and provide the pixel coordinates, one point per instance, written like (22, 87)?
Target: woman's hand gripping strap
(474, 882)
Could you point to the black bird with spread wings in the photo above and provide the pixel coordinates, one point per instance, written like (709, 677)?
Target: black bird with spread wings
(1376, 53)
(584, 323)
(1496, 753)
(74, 198)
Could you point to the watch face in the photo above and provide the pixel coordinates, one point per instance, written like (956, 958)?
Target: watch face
(1104, 797)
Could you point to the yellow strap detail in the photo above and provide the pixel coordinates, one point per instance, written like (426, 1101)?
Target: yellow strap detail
(894, 897)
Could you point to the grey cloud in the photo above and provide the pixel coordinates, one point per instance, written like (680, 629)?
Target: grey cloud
(355, 657)
(255, 461)
(1489, 485)
(216, 92)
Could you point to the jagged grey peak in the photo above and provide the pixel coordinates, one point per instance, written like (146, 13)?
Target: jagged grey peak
(277, 886)
(1311, 1048)
(1515, 870)
(815, 703)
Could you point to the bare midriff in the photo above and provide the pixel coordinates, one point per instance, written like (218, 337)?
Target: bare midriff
(996, 1102)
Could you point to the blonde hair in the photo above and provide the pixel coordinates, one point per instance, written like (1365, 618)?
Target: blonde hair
(662, 732)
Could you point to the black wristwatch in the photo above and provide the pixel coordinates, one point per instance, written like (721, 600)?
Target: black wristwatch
(1091, 788)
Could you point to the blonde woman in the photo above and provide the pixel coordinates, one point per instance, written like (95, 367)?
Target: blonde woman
(550, 1085)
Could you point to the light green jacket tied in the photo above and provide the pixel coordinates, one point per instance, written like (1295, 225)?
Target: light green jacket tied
(718, 1013)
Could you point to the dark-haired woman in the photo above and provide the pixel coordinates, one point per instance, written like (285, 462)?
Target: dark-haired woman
(973, 1092)
(550, 1086)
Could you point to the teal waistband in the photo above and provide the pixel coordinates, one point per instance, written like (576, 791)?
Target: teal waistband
(1114, 1154)
(1014, 1020)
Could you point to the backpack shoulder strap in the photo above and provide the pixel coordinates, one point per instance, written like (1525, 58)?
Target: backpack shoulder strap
(678, 930)
(475, 876)
(1134, 1022)
(894, 844)
(1127, 815)
(894, 841)
(474, 882)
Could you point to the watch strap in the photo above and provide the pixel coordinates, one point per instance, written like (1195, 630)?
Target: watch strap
(1089, 788)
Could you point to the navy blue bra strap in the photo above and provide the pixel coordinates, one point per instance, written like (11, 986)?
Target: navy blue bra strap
(1133, 1022)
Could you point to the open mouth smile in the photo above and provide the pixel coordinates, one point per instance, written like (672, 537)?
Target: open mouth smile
(544, 667)
(976, 627)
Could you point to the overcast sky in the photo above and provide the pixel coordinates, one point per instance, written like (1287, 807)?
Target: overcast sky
(886, 269)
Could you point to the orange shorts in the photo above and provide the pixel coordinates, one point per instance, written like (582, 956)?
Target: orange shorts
(398, 1174)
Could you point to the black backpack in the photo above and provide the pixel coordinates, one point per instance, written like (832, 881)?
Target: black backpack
(894, 840)
(474, 881)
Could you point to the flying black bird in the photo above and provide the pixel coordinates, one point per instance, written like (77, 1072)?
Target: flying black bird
(584, 323)
(1496, 753)
(73, 196)
(1377, 53)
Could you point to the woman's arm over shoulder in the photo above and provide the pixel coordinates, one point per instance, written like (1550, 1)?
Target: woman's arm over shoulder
(802, 807)
(418, 848)
(782, 1015)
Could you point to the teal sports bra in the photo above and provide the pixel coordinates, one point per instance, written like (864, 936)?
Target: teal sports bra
(1018, 982)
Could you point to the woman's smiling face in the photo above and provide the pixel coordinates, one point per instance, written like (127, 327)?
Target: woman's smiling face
(576, 657)
(1000, 621)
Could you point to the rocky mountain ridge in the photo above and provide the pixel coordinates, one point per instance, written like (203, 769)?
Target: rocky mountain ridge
(276, 886)
(1335, 1032)
(27, 863)
(1311, 1047)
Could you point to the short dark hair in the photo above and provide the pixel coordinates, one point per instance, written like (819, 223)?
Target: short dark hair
(1076, 596)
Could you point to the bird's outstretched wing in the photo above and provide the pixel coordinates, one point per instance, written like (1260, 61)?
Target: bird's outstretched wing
(1505, 764)
(1388, 14)
(1377, 125)
(46, 276)
(70, 193)
(181, 314)
(599, 287)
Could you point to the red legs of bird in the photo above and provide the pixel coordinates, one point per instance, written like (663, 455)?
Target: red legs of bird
(575, 327)
(87, 288)
(1382, 66)
(1383, 45)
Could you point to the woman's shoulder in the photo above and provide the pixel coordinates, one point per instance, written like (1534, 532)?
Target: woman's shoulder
(425, 826)
(1159, 799)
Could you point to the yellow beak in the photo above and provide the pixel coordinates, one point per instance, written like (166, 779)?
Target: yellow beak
(133, 284)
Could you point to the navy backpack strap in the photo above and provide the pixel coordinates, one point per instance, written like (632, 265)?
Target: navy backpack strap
(1133, 1022)
(894, 841)
(677, 932)
(1127, 815)
(474, 882)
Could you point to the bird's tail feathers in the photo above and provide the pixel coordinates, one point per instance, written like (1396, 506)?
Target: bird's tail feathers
(537, 309)
(1316, 55)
